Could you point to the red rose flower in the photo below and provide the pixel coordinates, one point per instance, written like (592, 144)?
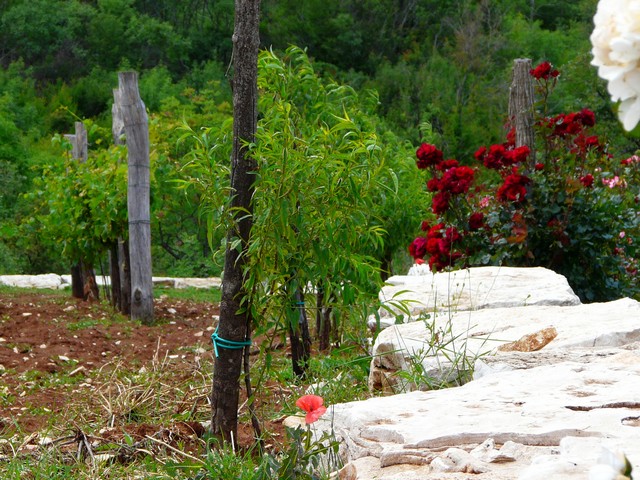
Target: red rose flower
(447, 164)
(424, 226)
(433, 246)
(539, 166)
(457, 180)
(495, 157)
(514, 188)
(587, 180)
(433, 185)
(428, 156)
(476, 221)
(440, 202)
(587, 117)
(480, 153)
(544, 71)
(418, 248)
(518, 154)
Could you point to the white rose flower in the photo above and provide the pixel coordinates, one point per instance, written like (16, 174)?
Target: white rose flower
(612, 465)
(616, 53)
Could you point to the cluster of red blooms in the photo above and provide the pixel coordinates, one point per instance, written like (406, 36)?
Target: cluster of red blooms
(449, 178)
(514, 188)
(438, 243)
(544, 71)
(505, 158)
(570, 123)
(501, 155)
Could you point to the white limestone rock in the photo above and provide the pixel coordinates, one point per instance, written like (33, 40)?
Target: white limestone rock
(551, 420)
(47, 280)
(211, 282)
(54, 281)
(445, 348)
(470, 289)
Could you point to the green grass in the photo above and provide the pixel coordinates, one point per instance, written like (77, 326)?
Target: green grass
(49, 292)
(207, 295)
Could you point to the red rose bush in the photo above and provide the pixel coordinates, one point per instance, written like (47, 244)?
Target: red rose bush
(564, 208)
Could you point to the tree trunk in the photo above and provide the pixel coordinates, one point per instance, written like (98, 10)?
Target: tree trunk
(83, 280)
(125, 277)
(521, 107)
(136, 128)
(114, 274)
(235, 322)
(323, 320)
(299, 334)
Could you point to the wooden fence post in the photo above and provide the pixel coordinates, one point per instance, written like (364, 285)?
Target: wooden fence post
(136, 126)
(521, 107)
(83, 279)
(119, 252)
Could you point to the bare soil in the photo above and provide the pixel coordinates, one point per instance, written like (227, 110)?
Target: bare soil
(46, 336)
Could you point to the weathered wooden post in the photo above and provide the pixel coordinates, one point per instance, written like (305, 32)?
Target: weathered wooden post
(136, 126)
(83, 281)
(79, 143)
(119, 253)
(521, 106)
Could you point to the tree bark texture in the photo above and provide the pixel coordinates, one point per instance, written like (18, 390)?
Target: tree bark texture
(125, 277)
(299, 335)
(235, 318)
(521, 99)
(83, 280)
(120, 271)
(136, 127)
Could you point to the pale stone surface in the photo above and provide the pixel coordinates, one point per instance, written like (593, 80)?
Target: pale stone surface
(198, 282)
(54, 281)
(505, 361)
(471, 289)
(428, 346)
(544, 423)
(47, 280)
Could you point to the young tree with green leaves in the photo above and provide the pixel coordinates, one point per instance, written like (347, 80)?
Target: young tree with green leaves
(234, 329)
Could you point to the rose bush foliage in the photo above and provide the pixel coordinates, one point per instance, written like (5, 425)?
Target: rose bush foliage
(572, 208)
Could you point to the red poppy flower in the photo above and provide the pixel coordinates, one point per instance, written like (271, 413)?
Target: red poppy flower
(312, 404)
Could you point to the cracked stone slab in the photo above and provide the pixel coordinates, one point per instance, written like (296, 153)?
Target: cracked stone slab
(475, 336)
(560, 415)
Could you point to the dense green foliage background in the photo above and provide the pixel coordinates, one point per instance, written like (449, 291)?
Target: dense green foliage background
(441, 69)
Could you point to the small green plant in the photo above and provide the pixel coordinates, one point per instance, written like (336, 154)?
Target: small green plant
(451, 361)
(307, 457)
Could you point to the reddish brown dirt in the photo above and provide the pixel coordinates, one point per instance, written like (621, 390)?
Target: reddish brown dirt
(37, 330)
(42, 335)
